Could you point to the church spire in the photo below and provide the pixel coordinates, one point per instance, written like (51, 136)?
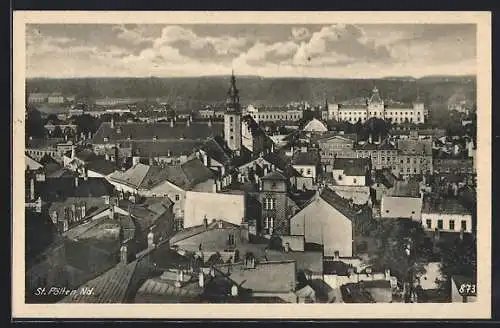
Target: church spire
(233, 98)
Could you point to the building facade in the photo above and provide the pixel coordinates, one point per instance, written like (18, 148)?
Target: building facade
(232, 118)
(363, 109)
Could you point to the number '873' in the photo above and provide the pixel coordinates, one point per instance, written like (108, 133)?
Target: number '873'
(467, 289)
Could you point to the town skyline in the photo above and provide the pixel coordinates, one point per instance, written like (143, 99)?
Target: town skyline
(367, 51)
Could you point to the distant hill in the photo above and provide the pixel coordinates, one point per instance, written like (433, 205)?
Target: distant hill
(195, 91)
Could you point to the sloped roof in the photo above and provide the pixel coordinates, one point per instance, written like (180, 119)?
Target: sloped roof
(405, 189)
(111, 287)
(352, 166)
(58, 189)
(270, 277)
(214, 148)
(340, 204)
(147, 131)
(306, 158)
(176, 147)
(415, 147)
(196, 230)
(275, 175)
(101, 165)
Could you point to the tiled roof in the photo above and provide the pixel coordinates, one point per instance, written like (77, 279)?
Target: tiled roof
(101, 165)
(147, 131)
(58, 189)
(415, 147)
(352, 166)
(311, 261)
(336, 267)
(405, 189)
(164, 147)
(39, 143)
(144, 176)
(157, 290)
(216, 149)
(356, 102)
(196, 230)
(340, 204)
(111, 287)
(385, 177)
(275, 175)
(268, 277)
(446, 206)
(279, 159)
(354, 293)
(306, 158)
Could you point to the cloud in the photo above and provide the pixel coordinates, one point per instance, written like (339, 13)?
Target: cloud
(300, 33)
(336, 50)
(201, 47)
(340, 43)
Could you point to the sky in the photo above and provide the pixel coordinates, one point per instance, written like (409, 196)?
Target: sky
(271, 50)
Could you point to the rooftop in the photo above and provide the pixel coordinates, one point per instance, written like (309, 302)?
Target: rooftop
(147, 131)
(185, 176)
(446, 206)
(352, 166)
(176, 147)
(306, 158)
(405, 189)
(342, 205)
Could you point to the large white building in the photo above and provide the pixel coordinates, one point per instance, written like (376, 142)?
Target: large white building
(362, 109)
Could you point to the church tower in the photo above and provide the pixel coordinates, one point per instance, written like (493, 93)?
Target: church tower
(232, 118)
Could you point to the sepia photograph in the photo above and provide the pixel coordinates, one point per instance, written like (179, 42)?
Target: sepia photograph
(183, 161)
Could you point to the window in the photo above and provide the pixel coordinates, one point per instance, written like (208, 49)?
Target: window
(440, 224)
(452, 224)
(230, 240)
(231, 119)
(269, 204)
(354, 180)
(428, 223)
(231, 137)
(231, 130)
(340, 178)
(308, 171)
(463, 225)
(268, 224)
(177, 197)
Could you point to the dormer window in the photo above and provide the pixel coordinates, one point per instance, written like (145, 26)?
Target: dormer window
(106, 139)
(155, 138)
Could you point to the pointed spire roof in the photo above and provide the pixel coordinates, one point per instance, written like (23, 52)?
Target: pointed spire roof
(375, 98)
(233, 98)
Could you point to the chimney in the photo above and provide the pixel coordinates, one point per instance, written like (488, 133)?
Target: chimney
(112, 123)
(111, 213)
(135, 160)
(219, 184)
(380, 138)
(73, 212)
(65, 225)
(73, 151)
(370, 138)
(124, 254)
(209, 122)
(287, 247)
(336, 255)
(387, 274)
(76, 182)
(151, 240)
(214, 187)
(85, 173)
(234, 291)
(171, 122)
(201, 279)
(90, 135)
(83, 208)
(32, 188)
(245, 232)
(106, 156)
(188, 122)
(151, 161)
(461, 233)
(106, 200)
(190, 118)
(205, 221)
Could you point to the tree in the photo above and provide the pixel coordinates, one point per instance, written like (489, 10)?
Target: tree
(394, 236)
(34, 126)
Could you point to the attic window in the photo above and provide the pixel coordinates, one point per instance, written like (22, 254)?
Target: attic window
(106, 139)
